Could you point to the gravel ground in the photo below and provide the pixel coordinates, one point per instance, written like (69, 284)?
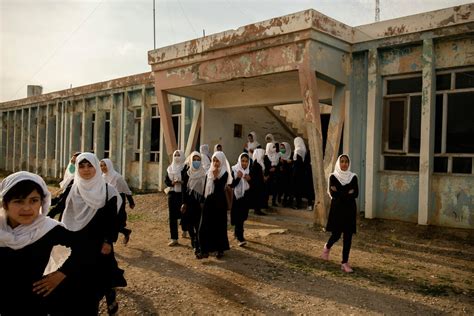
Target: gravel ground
(400, 269)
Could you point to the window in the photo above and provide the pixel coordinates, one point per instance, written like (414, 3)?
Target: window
(454, 127)
(176, 118)
(107, 135)
(155, 135)
(137, 133)
(238, 130)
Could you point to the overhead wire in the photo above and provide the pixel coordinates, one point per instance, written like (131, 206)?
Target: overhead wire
(55, 51)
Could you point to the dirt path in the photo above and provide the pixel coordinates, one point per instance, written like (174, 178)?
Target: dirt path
(400, 269)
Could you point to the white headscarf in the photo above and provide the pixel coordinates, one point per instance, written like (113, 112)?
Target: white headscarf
(114, 178)
(272, 155)
(87, 196)
(272, 139)
(300, 148)
(344, 177)
(287, 154)
(174, 170)
(258, 156)
(206, 161)
(215, 148)
(197, 177)
(24, 235)
(251, 146)
(243, 185)
(68, 175)
(223, 168)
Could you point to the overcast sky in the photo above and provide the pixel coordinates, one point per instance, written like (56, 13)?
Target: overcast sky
(59, 43)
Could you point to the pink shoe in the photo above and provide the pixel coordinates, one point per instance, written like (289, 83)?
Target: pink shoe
(346, 268)
(325, 254)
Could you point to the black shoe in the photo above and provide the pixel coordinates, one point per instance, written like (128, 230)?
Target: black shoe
(260, 213)
(126, 236)
(220, 254)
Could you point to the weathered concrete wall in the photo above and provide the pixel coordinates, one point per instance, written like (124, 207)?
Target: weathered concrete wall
(453, 201)
(218, 127)
(358, 121)
(397, 197)
(455, 53)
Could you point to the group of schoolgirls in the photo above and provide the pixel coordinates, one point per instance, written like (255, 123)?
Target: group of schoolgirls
(202, 188)
(287, 178)
(65, 266)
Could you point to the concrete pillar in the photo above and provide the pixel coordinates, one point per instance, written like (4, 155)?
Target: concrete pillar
(114, 121)
(99, 127)
(166, 121)
(309, 93)
(9, 141)
(428, 99)
(144, 142)
(195, 128)
(17, 141)
(3, 134)
(336, 122)
(42, 116)
(128, 128)
(66, 152)
(373, 131)
(24, 131)
(50, 144)
(32, 136)
(75, 133)
(117, 126)
(57, 143)
(86, 138)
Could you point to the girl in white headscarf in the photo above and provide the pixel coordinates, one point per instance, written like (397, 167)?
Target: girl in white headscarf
(240, 205)
(91, 211)
(114, 178)
(217, 147)
(252, 143)
(27, 237)
(284, 179)
(299, 181)
(272, 170)
(206, 156)
(343, 190)
(174, 181)
(193, 197)
(257, 186)
(213, 228)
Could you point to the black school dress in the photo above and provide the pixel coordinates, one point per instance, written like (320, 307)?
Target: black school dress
(22, 267)
(98, 273)
(213, 227)
(343, 212)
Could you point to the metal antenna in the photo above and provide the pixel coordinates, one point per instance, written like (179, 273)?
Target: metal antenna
(377, 10)
(154, 28)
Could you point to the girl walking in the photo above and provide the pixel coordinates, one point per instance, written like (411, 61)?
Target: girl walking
(193, 197)
(343, 189)
(114, 178)
(240, 205)
(213, 227)
(174, 180)
(27, 237)
(91, 212)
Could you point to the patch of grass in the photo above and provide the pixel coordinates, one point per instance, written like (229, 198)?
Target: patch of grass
(134, 217)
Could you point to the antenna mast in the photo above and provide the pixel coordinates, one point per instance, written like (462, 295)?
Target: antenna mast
(377, 10)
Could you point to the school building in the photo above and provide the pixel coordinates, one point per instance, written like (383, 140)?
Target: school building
(396, 95)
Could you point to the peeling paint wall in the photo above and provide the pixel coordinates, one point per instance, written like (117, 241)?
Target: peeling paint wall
(218, 127)
(453, 201)
(397, 197)
(455, 53)
(400, 60)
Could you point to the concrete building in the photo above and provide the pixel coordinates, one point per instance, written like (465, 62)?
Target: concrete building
(397, 95)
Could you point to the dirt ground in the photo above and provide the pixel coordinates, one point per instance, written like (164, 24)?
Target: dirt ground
(400, 268)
